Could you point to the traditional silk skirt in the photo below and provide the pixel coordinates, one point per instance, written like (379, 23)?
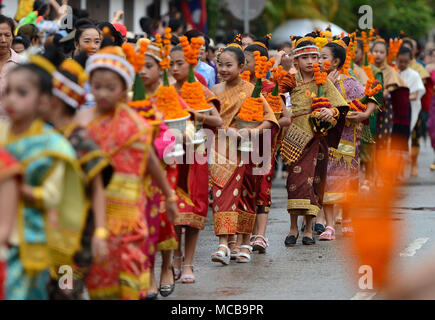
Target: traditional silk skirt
(192, 194)
(21, 285)
(235, 200)
(343, 167)
(431, 122)
(167, 235)
(306, 179)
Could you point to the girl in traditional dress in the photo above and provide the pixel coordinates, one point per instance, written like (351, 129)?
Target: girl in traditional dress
(343, 163)
(234, 184)
(126, 138)
(52, 197)
(416, 92)
(258, 240)
(304, 150)
(10, 170)
(393, 122)
(164, 239)
(69, 95)
(193, 179)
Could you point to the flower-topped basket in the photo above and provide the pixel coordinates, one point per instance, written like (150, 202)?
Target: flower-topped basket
(167, 97)
(251, 113)
(274, 99)
(319, 125)
(191, 91)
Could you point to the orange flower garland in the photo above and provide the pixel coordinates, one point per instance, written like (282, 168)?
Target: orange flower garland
(262, 65)
(191, 51)
(252, 109)
(168, 104)
(191, 90)
(245, 75)
(275, 102)
(136, 59)
(274, 98)
(319, 76)
(278, 74)
(192, 94)
(369, 72)
(393, 49)
(372, 87)
(165, 47)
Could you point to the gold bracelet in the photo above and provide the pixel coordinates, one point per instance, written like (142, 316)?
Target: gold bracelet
(172, 198)
(101, 233)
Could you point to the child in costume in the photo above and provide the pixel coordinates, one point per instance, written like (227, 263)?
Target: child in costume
(343, 163)
(52, 205)
(258, 239)
(234, 184)
(193, 178)
(126, 138)
(68, 97)
(164, 238)
(305, 146)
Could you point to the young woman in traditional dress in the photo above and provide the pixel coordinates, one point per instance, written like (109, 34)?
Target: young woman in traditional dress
(234, 184)
(343, 162)
(52, 197)
(68, 96)
(164, 238)
(393, 122)
(258, 240)
(193, 179)
(304, 150)
(126, 137)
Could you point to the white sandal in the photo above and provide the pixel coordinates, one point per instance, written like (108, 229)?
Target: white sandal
(244, 255)
(222, 256)
(177, 272)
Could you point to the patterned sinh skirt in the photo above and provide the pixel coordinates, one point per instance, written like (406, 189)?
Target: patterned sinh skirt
(306, 179)
(343, 167)
(234, 204)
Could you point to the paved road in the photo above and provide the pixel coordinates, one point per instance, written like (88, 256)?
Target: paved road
(323, 271)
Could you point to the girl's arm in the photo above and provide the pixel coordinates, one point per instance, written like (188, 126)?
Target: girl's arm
(212, 120)
(9, 193)
(285, 119)
(155, 170)
(361, 116)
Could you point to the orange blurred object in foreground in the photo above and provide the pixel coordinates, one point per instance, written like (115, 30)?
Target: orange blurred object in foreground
(371, 213)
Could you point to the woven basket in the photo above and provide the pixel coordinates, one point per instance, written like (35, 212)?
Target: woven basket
(246, 145)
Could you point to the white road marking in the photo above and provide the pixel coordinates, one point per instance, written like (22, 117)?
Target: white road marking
(408, 252)
(413, 247)
(363, 295)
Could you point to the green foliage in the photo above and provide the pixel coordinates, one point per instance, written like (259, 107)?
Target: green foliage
(213, 17)
(415, 17)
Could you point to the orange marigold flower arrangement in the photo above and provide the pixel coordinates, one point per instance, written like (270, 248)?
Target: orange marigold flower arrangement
(372, 88)
(165, 47)
(191, 90)
(245, 75)
(167, 96)
(321, 101)
(274, 98)
(252, 108)
(168, 104)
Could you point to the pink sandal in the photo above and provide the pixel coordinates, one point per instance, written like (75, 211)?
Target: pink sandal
(328, 235)
(260, 244)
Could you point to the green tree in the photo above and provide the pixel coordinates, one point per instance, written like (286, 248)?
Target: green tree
(414, 17)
